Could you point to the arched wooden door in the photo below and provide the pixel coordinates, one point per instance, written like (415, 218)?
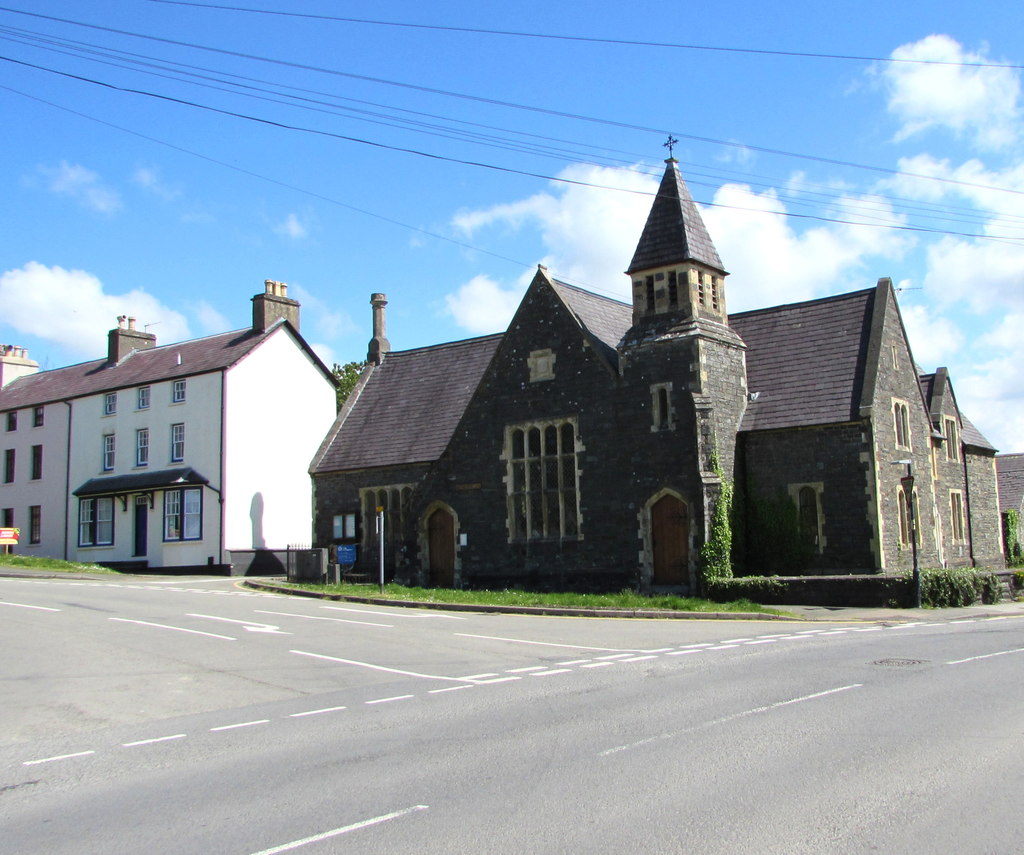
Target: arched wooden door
(670, 529)
(441, 548)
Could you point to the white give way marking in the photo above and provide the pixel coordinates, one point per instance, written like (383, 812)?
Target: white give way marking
(250, 625)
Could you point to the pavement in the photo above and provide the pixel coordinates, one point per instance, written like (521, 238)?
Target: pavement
(794, 612)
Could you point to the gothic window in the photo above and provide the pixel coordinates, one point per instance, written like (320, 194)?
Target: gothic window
(395, 501)
(952, 441)
(810, 520)
(713, 282)
(904, 515)
(662, 417)
(956, 508)
(542, 480)
(901, 421)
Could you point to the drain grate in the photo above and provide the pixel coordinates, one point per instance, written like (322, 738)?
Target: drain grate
(899, 663)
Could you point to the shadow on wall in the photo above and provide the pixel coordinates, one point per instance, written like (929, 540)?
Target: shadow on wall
(256, 516)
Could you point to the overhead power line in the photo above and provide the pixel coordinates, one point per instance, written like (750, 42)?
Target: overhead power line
(590, 39)
(512, 105)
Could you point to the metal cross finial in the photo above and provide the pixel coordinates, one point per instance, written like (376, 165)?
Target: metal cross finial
(671, 142)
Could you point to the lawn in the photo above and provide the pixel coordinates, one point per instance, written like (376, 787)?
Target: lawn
(53, 564)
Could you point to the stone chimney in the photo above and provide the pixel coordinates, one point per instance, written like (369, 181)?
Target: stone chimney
(273, 305)
(125, 339)
(379, 344)
(14, 363)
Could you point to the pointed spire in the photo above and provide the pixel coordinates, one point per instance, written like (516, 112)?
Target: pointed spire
(674, 231)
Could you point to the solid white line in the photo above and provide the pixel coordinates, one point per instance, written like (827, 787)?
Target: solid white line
(552, 671)
(318, 712)
(698, 644)
(986, 656)
(448, 689)
(389, 700)
(573, 662)
(734, 640)
(151, 741)
(481, 676)
(318, 617)
(869, 629)
(58, 757)
(762, 641)
(496, 680)
(599, 664)
(660, 650)
(326, 835)
(240, 724)
(177, 628)
(638, 658)
(23, 606)
(419, 615)
(681, 652)
(379, 667)
(722, 647)
(541, 643)
(523, 670)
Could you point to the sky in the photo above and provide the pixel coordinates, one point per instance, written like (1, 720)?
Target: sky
(162, 159)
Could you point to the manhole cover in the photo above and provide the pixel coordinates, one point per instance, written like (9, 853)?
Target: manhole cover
(899, 663)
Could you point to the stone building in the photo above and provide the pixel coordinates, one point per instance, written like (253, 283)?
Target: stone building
(585, 447)
(1010, 471)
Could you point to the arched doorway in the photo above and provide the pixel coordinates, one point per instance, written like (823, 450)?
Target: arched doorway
(670, 541)
(441, 548)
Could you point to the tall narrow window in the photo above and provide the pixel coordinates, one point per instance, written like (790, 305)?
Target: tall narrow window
(956, 509)
(12, 420)
(9, 466)
(661, 407)
(178, 392)
(142, 447)
(542, 481)
(904, 515)
(952, 440)
(901, 421)
(142, 398)
(38, 414)
(37, 462)
(110, 403)
(649, 288)
(673, 289)
(35, 524)
(108, 452)
(177, 443)
(808, 516)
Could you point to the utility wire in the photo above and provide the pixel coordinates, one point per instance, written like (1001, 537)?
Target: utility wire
(588, 39)
(512, 105)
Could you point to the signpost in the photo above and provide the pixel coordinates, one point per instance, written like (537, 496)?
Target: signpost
(380, 534)
(9, 537)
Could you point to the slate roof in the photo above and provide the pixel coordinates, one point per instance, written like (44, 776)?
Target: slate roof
(141, 367)
(409, 407)
(140, 481)
(674, 231)
(969, 434)
(805, 361)
(604, 320)
(1010, 474)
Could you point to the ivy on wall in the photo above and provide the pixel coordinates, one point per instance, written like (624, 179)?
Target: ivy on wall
(1011, 537)
(774, 545)
(716, 552)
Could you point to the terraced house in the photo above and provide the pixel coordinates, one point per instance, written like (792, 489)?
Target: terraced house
(191, 455)
(586, 446)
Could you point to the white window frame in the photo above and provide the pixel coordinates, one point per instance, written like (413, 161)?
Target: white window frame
(142, 447)
(183, 514)
(177, 442)
(178, 392)
(96, 521)
(143, 397)
(110, 403)
(109, 452)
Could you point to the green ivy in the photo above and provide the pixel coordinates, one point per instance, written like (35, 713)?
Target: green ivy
(760, 589)
(955, 587)
(1011, 536)
(774, 532)
(716, 552)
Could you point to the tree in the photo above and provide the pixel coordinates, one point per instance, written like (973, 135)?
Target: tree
(347, 376)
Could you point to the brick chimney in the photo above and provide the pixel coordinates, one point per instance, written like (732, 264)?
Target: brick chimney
(273, 305)
(125, 339)
(14, 363)
(379, 344)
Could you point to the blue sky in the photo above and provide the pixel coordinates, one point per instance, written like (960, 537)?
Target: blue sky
(162, 159)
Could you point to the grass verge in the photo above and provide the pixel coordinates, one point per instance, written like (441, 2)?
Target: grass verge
(625, 600)
(35, 563)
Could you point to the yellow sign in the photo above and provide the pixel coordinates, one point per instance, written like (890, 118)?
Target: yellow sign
(9, 536)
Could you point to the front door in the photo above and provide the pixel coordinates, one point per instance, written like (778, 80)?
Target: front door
(670, 530)
(141, 524)
(441, 546)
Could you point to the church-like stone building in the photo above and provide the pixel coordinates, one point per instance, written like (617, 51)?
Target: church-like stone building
(585, 447)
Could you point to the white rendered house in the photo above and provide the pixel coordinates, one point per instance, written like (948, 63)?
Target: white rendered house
(188, 455)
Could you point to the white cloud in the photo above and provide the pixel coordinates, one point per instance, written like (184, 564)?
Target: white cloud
(483, 306)
(982, 275)
(982, 103)
(771, 263)
(934, 339)
(83, 185)
(589, 232)
(292, 227)
(321, 317)
(210, 320)
(30, 293)
(149, 179)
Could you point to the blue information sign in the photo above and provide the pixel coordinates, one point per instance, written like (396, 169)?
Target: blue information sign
(346, 553)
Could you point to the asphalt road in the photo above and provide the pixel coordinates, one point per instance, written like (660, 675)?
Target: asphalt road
(185, 716)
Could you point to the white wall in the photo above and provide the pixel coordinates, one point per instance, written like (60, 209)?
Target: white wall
(279, 407)
(48, 491)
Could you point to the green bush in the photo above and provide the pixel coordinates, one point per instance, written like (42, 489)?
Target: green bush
(954, 587)
(756, 588)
